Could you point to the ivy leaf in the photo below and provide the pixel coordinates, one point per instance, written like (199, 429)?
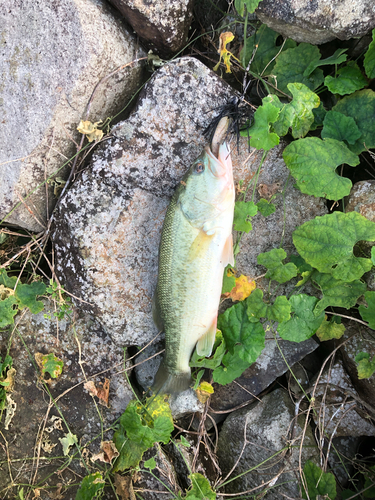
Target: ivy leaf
(365, 367)
(340, 127)
(7, 281)
(313, 164)
(68, 441)
(49, 363)
(369, 61)
(200, 488)
(336, 292)
(260, 135)
(150, 463)
(330, 330)
(348, 80)
(278, 271)
(262, 48)
(326, 243)
(91, 485)
(257, 308)
(265, 207)
(229, 280)
(242, 211)
(368, 313)
(7, 312)
(251, 5)
(232, 367)
(304, 322)
(337, 58)
(291, 65)
(159, 410)
(319, 484)
(237, 329)
(213, 361)
(361, 107)
(298, 113)
(26, 295)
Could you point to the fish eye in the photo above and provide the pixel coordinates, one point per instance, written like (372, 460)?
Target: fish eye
(199, 167)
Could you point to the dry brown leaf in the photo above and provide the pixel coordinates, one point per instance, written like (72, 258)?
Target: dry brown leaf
(124, 487)
(90, 130)
(10, 379)
(204, 391)
(108, 452)
(102, 393)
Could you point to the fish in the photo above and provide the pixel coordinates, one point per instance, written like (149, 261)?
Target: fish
(196, 245)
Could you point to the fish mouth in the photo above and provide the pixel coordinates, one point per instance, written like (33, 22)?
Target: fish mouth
(221, 165)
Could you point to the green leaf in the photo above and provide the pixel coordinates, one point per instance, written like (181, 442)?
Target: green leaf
(365, 367)
(348, 80)
(214, 361)
(262, 48)
(313, 164)
(319, 484)
(232, 367)
(340, 127)
(301, 264)
(184, 441)
(8, 282)
(369, 61)
(242, 211)
(260, 135)
(319, 114)
(200, 488)
(326, 243)
(330, 330)
(150, 463)
(68, 441)
(5, 365)
(303, 323)
(337, 58)
(51, 364)
(361, 107)
(298, 113)
(91, 485)
(291, 65)
(251, 5)
(7, 311)
(278, 271)
(278, 311)
(336, 292)
(229, 280)
(265, 207)
(373, 256)
(26, 294)
(368, 313)
(369, 485)
(237, 329)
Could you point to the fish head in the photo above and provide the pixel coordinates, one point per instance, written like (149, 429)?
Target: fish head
(207, 188)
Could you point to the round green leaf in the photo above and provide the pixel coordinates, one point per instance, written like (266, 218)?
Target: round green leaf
(369, 61)
(260, 135)
(340, 127)
(319, 484)
(313, 164)
(348, 80)
(361, 107)
(368, 313)
(303, 323)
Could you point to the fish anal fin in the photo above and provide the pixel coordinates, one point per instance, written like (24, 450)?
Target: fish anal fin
(200, 245)
(206, 342)
(227, 256)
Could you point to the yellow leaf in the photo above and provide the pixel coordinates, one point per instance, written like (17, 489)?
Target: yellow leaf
(90, 130)
(244, 287)
(204, 391)
(225, 38)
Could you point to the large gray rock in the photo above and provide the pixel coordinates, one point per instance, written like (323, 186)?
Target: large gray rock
(87, 352)
(266, 428)
(52, 56)
(108, 226)
(319, 21)
(161, 25)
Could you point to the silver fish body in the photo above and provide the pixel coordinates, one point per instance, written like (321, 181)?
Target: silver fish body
(196, 245)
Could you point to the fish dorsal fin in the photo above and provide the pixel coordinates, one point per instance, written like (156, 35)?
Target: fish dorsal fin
(206, 342)
(200, 245)
(227, 256)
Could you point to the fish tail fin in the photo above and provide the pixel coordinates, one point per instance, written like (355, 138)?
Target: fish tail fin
(170, 383)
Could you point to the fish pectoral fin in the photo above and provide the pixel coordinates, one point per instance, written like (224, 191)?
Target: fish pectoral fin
(227, 256)
(200, 245)
(156, 313)
(206, 342)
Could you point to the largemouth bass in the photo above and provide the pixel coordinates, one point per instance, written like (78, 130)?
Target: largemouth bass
(195, 247)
